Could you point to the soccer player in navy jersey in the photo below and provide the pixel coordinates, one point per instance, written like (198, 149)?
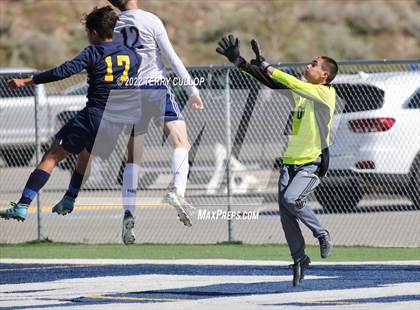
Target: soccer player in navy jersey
(107, 64)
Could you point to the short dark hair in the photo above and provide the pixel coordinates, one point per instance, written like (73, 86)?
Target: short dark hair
(102, 20)
(120, 4)
(331, 66)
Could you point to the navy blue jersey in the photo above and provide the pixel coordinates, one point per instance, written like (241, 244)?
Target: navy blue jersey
(105, 63)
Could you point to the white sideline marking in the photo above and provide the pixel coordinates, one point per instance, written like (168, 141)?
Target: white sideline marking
(200, 262)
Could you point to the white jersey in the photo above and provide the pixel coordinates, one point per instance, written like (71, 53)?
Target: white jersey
(146, 33)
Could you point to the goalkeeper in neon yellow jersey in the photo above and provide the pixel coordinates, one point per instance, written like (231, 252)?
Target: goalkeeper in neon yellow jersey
(306, 157)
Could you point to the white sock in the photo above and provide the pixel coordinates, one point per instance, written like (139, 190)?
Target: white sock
(129, 188)
(180, 168)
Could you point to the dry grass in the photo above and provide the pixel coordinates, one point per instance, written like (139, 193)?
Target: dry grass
(43, 33)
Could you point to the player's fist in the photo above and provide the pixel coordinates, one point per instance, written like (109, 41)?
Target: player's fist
(197, 102)
(19, 83)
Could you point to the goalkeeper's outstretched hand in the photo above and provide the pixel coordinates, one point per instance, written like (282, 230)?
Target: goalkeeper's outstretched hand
(259, 60)
(229, 47)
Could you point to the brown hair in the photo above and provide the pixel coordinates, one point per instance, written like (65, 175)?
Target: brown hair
(102, 20)
(329, 65)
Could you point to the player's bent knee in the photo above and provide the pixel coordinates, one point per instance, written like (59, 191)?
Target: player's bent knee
(49, 161)
(55, 154)
(180, 142)
(290, 201)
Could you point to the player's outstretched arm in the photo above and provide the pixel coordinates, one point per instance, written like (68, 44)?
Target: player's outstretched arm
(229, 47)
(67, 69)
(176, 64)
(286, 80)
(305, 89)
(257, 68)
(63, 71)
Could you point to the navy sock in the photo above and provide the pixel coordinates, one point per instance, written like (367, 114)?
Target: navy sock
(75, 184)
(36, 181)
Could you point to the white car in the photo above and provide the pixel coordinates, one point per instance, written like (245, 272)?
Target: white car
(376, 145)
(17, 116)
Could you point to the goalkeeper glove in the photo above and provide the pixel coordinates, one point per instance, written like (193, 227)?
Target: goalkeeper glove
(229, 47)
(259, 60)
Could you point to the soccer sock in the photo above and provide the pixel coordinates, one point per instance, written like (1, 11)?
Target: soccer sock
(180, 168)
(129, 188)
(36, 181)
(75, 184)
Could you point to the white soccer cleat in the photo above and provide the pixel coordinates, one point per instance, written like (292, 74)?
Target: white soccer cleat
(183, 208)
(128, 235)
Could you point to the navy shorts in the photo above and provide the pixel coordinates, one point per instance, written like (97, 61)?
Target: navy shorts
(86, 128)
(158, 103)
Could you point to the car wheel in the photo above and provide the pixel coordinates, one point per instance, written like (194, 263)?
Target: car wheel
(18, 156)
(414, 189)
(338, 198)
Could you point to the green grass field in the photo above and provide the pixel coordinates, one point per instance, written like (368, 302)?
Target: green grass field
(184, 251)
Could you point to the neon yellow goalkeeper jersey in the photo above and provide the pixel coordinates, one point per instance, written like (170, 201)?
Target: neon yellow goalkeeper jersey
(313, 111)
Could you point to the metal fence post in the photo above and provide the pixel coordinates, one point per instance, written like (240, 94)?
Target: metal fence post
(228, 155)
(38, 157)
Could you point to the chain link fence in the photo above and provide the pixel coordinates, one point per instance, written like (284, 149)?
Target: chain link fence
(370, 196)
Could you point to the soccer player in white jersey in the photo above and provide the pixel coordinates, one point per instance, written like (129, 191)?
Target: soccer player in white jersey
(146, 33)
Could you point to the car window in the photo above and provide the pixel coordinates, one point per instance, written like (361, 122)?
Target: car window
(359, 97)
(7, 92)
(414, 102)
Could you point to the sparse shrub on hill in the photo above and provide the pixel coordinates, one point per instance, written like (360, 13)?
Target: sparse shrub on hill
(46, 32)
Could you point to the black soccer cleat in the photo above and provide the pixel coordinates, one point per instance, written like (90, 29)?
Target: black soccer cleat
(325, 245)
(299, 270)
